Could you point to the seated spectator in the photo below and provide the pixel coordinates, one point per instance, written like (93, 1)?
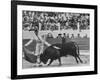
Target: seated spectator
(49, 35)
(64, 35)
(78, 35)
(59, 36)
(72, 36)
(67, 35)
(64, 38)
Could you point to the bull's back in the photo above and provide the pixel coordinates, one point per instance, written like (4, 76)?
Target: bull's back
(67, 48)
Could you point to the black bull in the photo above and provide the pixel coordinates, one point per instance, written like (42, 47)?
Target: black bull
(69, 48)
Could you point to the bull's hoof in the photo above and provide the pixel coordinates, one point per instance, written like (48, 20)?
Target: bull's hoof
(40, 66)
(85, 62)
(36, 65)
(81, 61)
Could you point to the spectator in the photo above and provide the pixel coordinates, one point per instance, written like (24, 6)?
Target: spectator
(79, 35)
(68, 35)
(49, 35)
(64, 38)
(59, 36)
(72, 36)
(56, 20)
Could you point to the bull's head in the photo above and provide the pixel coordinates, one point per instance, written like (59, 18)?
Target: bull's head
(43, 59)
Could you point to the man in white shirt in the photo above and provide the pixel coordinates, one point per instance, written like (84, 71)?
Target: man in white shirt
(40, 41)
(39, 44)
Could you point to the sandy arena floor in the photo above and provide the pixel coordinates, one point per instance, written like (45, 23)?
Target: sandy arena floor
(66, 61)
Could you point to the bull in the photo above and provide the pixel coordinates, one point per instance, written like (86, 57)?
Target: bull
(51, 53)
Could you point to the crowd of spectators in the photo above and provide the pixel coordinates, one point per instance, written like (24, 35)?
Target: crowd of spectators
(55, 20)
